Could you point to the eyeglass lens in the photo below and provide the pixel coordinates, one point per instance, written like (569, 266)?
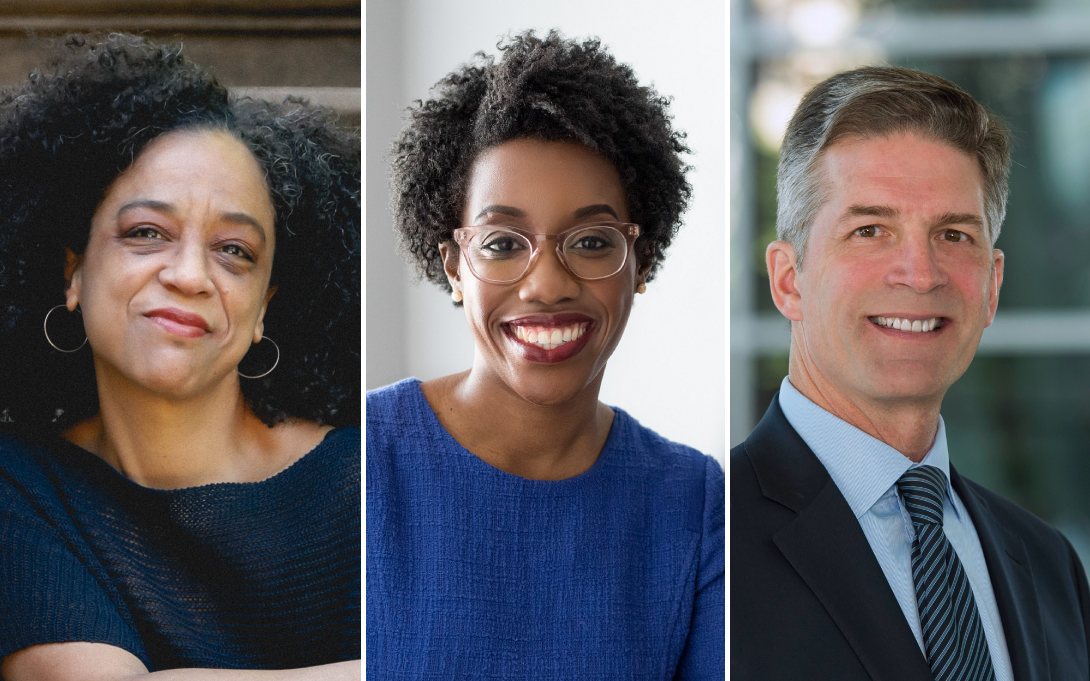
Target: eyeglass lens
(594, 252)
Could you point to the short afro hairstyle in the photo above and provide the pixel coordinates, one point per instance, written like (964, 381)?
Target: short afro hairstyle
(550, 89)
(81, 120)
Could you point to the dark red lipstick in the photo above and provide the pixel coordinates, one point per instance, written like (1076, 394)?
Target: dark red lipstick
(565, 350)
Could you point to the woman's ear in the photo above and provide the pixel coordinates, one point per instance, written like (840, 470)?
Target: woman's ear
(73, 278)
(645, 260)
(259, 329)
(449, 253)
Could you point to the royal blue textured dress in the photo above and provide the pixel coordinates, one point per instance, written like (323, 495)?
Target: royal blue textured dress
(474, 573)
(261, 575)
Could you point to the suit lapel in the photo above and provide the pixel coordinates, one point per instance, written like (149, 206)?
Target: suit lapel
(827, 548)
(1012, 582)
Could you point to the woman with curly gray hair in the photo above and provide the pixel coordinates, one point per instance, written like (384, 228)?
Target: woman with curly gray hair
(518, 527)
(179, 462)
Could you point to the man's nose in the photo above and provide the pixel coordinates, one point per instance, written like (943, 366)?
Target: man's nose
(548, 281)
(916, 264)
(187, 271)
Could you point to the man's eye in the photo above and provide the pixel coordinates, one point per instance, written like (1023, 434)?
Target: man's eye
(954, 235)
(868, 231)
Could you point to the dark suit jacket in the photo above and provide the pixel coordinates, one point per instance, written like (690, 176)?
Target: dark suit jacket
(809, 600)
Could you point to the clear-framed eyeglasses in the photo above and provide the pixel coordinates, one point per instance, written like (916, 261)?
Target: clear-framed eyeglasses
(499, 254)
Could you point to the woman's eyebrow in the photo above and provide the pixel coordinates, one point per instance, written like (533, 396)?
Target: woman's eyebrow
(502, 210)
(517, 213)
(245, 219)
(159, 206)
(595, 210)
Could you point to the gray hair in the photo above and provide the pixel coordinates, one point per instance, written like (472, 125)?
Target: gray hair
(877, 101)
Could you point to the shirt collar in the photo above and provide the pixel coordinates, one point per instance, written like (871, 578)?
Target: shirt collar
(863, 467)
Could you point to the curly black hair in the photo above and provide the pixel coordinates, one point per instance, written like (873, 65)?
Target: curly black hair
(80, 121)
(549, 89)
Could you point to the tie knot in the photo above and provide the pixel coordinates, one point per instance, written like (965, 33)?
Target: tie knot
(923, 489)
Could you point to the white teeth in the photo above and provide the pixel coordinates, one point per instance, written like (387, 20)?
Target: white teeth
(911, 325)
(549, 338)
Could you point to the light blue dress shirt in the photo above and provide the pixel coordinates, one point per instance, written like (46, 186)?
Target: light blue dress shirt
(866, 470)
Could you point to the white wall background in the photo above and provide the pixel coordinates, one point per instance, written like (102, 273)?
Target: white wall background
(669, 370)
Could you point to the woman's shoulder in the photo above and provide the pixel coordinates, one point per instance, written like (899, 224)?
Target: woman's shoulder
(654, 450)
(398, 412)
(389, 398)
(345, 440)
(26, 459)
(672, 472)
(45, 561)
(336, 455)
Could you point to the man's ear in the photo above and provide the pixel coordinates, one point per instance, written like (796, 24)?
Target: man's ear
(783, 274)
(449, 253)
(997, 281)
(259, 328)
(73, 278)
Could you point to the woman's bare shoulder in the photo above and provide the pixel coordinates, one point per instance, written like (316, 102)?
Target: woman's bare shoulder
(287, 442)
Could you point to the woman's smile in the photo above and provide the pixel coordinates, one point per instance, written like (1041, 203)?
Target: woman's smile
(550, 338)
(179, 322)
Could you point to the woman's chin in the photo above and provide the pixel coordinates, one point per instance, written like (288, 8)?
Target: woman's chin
(175, 382)
(552, 388)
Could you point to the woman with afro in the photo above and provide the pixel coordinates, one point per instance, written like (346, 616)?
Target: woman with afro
(179, 396)
(517, 527)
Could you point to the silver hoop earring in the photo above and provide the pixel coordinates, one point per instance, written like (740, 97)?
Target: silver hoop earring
(45, 328)
(274, 363)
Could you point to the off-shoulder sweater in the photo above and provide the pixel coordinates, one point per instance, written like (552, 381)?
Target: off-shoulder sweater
(262, 575)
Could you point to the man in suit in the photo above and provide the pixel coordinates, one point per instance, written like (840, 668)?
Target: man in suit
(857, 551)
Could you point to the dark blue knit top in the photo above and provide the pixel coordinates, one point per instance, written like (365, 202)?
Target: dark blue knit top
(474, 573)
(234, 575)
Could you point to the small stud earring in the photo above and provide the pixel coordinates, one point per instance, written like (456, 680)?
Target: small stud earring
(642, 288)
(456, 295)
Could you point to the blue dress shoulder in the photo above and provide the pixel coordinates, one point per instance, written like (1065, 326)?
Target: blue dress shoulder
(474, 573)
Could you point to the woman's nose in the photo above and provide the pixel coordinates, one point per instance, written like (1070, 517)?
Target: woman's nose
(187, 270)
(548, 281)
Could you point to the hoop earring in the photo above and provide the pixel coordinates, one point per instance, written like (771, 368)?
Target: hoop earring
(274, 363)
(45, 328)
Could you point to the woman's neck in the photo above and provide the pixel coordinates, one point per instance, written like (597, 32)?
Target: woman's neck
(169, 443)
(540, 442)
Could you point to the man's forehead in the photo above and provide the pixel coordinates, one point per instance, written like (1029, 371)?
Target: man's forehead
(895, 154)
(879, 175)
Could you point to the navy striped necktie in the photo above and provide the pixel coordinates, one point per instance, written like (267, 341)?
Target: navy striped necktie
(952, 633)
